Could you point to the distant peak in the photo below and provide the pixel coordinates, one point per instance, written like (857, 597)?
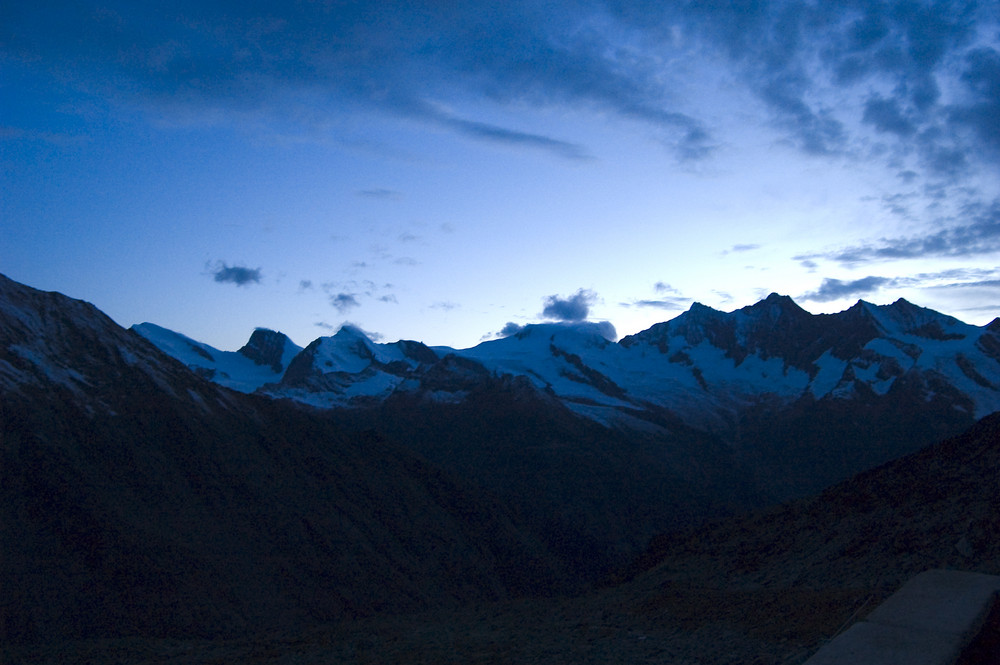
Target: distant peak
(266, 347)
(349, 331)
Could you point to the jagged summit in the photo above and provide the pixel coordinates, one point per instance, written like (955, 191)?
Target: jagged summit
(263, 359)
(703, 367)
(269, 348)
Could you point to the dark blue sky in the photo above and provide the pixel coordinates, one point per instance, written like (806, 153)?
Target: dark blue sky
(440, 170)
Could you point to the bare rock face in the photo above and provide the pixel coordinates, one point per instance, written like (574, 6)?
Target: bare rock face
(266, 347)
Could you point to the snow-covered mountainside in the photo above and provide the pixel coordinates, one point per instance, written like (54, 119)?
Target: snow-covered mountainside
(263, 359)
(705, 366)
(54, 346)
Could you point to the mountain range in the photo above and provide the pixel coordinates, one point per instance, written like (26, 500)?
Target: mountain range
(768, 385)
(152, 485)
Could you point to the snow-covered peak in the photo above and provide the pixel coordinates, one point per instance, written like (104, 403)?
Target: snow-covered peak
(239, 370)
(903, 317)
(351, 350)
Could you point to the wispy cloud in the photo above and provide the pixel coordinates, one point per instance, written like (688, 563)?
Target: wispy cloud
(979, 235)
(662, 303)
(445, 305)
(380, 194)
(922, 77)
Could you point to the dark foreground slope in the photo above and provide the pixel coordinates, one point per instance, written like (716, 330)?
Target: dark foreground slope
(138, 499)
(594, 495)
(769, 588)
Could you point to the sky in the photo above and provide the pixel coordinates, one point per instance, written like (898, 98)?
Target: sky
(451, 171)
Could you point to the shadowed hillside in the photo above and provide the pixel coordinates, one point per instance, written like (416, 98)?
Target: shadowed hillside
(138, 499)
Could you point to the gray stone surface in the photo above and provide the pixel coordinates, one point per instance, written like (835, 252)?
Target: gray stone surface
(927, 622)
(867, 643)
(940, 600)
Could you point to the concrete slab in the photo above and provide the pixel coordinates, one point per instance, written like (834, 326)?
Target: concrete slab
(940, 600)
(873, 644)
(929, 621)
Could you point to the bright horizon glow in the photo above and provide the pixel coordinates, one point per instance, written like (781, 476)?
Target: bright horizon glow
(435, 175)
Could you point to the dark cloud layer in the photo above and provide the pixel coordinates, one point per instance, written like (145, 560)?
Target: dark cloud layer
(616, 56)
(238, 275)
(978, 235)
(835, 289)
(573, 308)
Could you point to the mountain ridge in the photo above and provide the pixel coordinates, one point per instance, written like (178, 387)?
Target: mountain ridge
(769, 380)
(709, 363)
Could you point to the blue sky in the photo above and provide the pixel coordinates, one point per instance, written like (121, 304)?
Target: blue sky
(447, 171)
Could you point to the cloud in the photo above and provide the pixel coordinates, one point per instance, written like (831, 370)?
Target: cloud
(510, 328)
(574, 308)
(886, 116)
(606, 330)
(344, 302)
(663, 287)
(980, 235)
(739, 248)
(380, 194)
(238, 275)
(981, 108)
(835, 289)
(446, 306)
(915, 71)
(514, 138)
(374, 336)
(664, 303)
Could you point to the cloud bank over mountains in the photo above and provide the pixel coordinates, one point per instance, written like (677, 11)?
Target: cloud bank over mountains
(928, 73)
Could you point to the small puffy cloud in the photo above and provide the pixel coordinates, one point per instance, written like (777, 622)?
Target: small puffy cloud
(663, 287)
(344, 302)
(574, 308)
(835, 289)
(238, 275)
(510, 328)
